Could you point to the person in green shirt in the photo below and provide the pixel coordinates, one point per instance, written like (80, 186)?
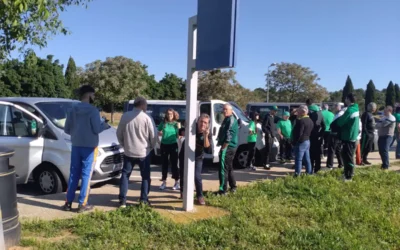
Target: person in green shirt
(285, 133)
(168, 129)
(252, 139)
(397, 132)
(328, 119)
(228, 140)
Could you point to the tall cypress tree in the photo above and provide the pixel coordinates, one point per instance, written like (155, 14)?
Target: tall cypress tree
(370, 93)
(71, 78)
(348, 88)
(397, 90)
(390, 95)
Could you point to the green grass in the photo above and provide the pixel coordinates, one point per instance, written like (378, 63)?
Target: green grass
(313, 212)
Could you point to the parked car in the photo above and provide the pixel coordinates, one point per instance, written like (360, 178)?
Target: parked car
(157, 108)
(34, 128)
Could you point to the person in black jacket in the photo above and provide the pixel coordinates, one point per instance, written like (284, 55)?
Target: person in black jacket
(269, 129)
(368, 129)
(301, 140)
(317, 134)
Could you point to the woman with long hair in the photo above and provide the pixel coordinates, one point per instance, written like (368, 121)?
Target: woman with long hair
(168, 129)
(252, 139)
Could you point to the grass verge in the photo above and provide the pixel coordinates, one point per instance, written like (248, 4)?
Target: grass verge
(311, 212)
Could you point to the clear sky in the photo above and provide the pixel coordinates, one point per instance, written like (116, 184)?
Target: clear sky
(335, 38)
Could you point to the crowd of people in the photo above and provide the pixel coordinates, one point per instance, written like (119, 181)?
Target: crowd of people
(306, 134)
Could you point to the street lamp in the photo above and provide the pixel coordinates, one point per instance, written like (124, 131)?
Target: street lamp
(272, 65)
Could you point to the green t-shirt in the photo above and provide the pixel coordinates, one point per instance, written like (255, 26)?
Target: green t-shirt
(328, 119)
(286, 128)
(170, 132)
(397, 116)
(252, 132)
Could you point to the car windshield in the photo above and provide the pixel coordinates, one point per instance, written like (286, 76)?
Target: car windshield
(238, 111)
(56, 111)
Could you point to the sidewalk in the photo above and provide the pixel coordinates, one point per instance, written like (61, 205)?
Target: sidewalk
(105, 198)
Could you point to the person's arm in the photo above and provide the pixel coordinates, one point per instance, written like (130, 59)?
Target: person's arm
(120, 131)
(323, 126)
(341, 121)
(264, 124)
(385, 122)
(67, 126)
(279, 130)
(207, 139)
(152, 132)
(95, 121)
(229, 135)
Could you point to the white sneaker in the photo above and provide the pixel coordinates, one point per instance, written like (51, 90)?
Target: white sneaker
(253, 168)
(163, 185)
(176, 186)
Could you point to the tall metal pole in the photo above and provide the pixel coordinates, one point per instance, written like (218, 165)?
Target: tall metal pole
(191, 115)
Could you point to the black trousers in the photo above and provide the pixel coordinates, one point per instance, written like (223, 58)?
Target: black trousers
(252, 150)
(348, 150)
(315, 153)
(226, 169)
(285, 148)
(334, 148)
(367, 140)
(169, 154)
(269, 141)
(325, 144)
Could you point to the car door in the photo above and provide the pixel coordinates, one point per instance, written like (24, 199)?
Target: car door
(217, 117)
(19, 130)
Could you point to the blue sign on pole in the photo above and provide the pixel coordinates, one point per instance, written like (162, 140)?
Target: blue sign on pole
(216, 34)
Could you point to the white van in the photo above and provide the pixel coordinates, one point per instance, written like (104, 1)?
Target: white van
(34, 128)
(157, 109)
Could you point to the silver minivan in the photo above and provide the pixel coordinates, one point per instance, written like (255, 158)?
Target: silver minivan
(34, 128)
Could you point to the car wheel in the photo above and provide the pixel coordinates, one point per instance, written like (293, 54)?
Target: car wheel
(49, 181)
(240, 158)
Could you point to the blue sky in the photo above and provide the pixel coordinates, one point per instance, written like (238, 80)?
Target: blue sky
(335, 38)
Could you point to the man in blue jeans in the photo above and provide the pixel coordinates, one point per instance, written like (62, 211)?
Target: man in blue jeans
(136, 133)
(84, 125)
(386, 128)
(301, 140)
(203, 144)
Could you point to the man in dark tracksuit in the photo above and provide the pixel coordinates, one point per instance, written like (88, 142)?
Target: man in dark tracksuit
(368, 129)
(269, 129)
(317, 134)
(228, 140)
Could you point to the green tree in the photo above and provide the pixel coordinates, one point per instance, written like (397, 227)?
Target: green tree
(390, 95)
(116, 80)
(33, 77)
(335, 96)
(348, 88)
(172, 87)
(71, 77)
(397, 90)
(222, 84)
(28, 22)
(295, 83)
(370, 93)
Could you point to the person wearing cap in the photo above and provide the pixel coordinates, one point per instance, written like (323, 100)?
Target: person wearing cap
(251, 140)
(285, 133)
(317, 134)
(328, 119)
(349, 125)
(84, 125)
(269, 128)
(136, 133)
